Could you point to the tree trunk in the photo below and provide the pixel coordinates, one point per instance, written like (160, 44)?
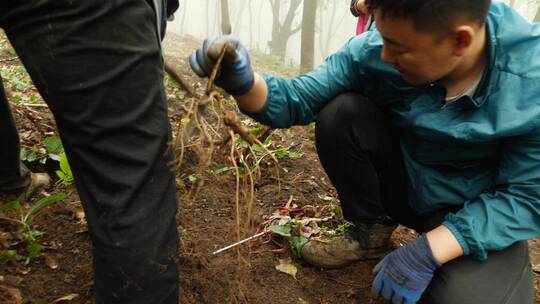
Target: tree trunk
(226, 28)
(250, 25)
(239, 14)
(537, 17)
(326, 31)
(259, 26)
(276, 8)
(308, 36)
(207, 18)
(282, 32)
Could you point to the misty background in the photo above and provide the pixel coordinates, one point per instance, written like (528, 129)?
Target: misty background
(274, 27)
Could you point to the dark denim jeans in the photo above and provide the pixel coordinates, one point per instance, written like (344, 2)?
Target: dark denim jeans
(359, 149)
(99, 67)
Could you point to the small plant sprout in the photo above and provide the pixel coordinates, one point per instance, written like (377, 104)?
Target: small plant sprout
(65, 176)
(26, 229)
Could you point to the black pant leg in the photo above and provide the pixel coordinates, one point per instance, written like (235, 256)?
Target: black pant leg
(505, 278)
(13, 175)
(360, 151)
(98, 65)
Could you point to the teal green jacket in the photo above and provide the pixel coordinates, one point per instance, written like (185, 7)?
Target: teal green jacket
(481, 152)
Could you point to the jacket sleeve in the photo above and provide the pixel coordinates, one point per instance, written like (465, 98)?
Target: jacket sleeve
(297, 101)
(510, 212)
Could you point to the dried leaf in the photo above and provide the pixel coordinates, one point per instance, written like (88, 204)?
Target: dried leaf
(321, 239)
(310, 230)
(536, 268)
(326, 198)
(12, 280)
(4, 240)
(10, 295)
(281, 230)
(79, 214)
(67, 298)
(287, 267)
(284, 221)
(21, 270)
(50, 261)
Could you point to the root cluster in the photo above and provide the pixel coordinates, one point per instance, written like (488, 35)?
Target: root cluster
(211, 130)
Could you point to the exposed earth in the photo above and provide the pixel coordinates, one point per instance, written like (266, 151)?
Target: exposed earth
(63, 273)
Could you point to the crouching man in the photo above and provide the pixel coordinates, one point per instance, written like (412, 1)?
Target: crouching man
(430, 121)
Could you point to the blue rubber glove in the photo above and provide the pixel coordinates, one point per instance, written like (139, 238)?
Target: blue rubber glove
(236, 75)
(404, 274)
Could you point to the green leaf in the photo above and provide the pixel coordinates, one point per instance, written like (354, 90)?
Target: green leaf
(8, 256)
(295, 155)
(24, 154)
(281, 153)
(13, 205)
(64, 174)
(32, 156)
(33, 251)
(64, 165)
(46, 201)
(53, 145)
(281, 230)
(255, 131)
(184, 121)
(296, 243)
(55, 157)
(258, 149)
(192, 179)
(223, 169)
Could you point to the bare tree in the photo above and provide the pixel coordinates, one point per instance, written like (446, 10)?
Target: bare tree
(250, 25)
(328, 27)
(308, 36)
(183, 9)
(240, 12)
(226, 28)
(281, 32)
(207, 10)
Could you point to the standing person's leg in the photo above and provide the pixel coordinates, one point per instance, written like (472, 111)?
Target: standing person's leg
(98, 65)
(13, 175)
(359, 150)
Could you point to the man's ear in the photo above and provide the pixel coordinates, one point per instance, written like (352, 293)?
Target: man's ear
(463, 39)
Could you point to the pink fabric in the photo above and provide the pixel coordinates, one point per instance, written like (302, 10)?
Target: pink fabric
(363, 21)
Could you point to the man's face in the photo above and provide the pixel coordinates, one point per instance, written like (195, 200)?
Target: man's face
(421, 57)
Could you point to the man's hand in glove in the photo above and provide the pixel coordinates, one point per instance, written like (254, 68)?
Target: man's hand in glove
(236, 75)
(405, 273)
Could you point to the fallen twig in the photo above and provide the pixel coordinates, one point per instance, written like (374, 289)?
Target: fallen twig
(35, 105)
(240, 242)
(178, 79)
(8, 59)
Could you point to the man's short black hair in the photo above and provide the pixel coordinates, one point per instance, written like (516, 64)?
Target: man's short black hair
(433, 15)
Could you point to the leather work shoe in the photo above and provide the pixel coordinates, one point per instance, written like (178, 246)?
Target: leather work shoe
(38, 181)
(359, 242)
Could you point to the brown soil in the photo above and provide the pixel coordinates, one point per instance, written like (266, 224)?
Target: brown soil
(205, 225)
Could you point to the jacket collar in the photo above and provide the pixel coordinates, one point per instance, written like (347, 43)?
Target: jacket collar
(484, 87)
